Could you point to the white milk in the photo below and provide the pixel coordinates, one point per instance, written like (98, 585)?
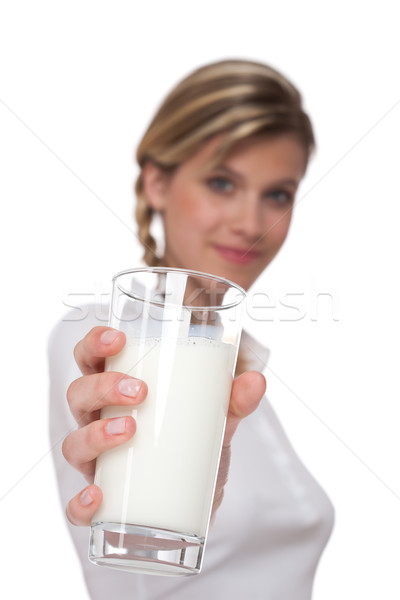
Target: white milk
(164, 477)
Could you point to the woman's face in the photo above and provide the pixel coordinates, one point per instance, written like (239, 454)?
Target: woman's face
(229, 220)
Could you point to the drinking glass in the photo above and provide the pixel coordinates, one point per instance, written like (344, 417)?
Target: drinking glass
(182, 336)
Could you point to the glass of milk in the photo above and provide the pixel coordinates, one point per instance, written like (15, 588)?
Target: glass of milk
(183, 331)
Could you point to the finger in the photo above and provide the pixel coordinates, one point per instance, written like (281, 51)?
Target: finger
(99, 343)
(82, 507)
(90, 393)
(82, 446)
(247, 391)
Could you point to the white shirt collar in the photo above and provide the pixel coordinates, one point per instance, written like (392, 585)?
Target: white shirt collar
(256, 354)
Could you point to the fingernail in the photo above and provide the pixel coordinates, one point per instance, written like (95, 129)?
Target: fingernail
(129, 387)
(109, 336)
(116, 426)
(86, 498)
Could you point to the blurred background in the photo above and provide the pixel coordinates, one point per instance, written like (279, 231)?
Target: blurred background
(79, 82)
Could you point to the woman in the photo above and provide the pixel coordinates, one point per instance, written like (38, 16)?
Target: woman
(220, 163)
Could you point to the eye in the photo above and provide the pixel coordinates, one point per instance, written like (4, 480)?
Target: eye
(220, 184)
(281, 197)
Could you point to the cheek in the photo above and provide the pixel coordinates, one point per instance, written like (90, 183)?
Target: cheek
(191, 213)
(278, 229)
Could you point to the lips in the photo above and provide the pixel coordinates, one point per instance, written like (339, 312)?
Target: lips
(240, 256)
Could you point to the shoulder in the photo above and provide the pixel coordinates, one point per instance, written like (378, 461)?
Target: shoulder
(73, 326)
(66, 333)
(62, 368)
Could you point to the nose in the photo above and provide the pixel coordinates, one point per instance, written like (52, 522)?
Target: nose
(246, 218)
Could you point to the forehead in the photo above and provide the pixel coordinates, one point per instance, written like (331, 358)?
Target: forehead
(265, 153)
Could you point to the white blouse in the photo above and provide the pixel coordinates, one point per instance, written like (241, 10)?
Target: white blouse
(268, 534)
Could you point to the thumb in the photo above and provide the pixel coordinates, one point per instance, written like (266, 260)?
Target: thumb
(247, 391)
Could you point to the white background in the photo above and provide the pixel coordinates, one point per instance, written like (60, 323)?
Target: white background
(79, 81)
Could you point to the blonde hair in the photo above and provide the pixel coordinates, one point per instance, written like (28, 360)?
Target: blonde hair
(237, 97)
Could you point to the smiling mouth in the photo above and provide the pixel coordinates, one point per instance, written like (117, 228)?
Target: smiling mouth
(237, 255)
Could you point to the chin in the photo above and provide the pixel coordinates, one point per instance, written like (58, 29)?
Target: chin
(235, 276)
(241, 275)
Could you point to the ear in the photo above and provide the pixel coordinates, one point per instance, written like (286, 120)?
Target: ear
(155, 183)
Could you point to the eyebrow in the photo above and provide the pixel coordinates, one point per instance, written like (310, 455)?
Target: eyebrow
(292, 182)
